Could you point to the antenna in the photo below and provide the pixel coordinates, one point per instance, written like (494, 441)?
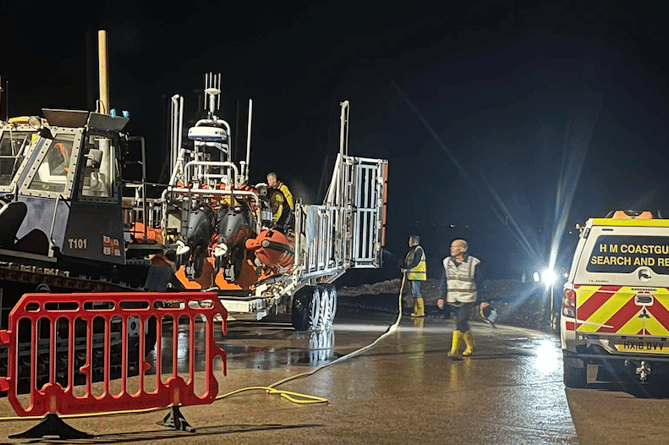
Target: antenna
(212, 88)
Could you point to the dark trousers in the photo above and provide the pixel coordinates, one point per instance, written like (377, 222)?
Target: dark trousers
(415, 288)
(461, 316)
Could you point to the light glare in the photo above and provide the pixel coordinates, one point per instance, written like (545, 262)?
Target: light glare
(548, 277)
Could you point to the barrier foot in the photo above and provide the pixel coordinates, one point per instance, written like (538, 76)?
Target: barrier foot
(174, 419)
(52, 425)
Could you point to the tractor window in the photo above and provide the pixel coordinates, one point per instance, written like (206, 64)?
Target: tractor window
(99, 175)
(13, 146)
(53, 170)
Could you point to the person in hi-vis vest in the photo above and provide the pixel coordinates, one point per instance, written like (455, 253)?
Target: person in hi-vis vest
(416, 271)
(459, 285)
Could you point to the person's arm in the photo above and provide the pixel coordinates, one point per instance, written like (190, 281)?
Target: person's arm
(442, 290)
(479, 282)
(415, 258)
(288, 196)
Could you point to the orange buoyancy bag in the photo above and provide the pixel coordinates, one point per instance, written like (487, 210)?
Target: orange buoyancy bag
(273, 249)
(153, 236)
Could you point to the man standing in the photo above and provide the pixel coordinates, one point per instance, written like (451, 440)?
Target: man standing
(274, 183)
(416, 271)
(459, 284)
(281, 203)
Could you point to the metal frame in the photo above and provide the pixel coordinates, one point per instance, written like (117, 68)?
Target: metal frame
(43, 150)
(25, 151)
(346, 231)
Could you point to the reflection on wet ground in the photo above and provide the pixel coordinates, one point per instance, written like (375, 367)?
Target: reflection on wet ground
(261, 345)
(275, 344)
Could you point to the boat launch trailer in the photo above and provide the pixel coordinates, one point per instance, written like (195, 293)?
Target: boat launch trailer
(346, 231)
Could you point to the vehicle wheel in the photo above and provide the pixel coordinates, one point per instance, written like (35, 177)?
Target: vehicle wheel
(575, 377)
(328, 305)
(306, 311)
(297, 314)
(314, 313)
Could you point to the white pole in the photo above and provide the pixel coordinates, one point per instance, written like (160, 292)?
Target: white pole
(248, 139)
(102, 70)
(343, 129)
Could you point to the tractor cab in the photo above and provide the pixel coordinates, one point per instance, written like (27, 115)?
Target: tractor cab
(61, 189)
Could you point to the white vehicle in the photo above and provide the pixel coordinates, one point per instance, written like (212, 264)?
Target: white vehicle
(615, 309)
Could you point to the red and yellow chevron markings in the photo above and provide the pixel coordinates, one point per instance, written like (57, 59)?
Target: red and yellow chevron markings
(617, 310)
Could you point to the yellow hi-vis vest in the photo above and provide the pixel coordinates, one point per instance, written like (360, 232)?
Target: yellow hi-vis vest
(420, 271)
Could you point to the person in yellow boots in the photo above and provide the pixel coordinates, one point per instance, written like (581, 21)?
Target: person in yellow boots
(459, 285)
(416, 271)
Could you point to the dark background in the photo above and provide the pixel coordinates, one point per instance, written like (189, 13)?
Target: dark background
(504, 124)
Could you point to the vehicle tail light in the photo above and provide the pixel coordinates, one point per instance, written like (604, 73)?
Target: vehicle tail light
(569, 303)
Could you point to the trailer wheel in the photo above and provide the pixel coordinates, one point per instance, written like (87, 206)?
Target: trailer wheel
(575, 377)
(328, 305)
(297, 314)
(306, 311)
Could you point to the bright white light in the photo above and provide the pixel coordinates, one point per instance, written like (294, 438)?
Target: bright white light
(535, 276)
(548, 277)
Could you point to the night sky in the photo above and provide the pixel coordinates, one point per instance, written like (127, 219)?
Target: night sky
(504, 125)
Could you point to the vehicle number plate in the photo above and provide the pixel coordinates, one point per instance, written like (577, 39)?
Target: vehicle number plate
(644, 346)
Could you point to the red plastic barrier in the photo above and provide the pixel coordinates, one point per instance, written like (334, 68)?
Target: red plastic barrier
(55, 326)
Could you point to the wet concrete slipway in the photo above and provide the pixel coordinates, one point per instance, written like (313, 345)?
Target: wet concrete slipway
(401, 390)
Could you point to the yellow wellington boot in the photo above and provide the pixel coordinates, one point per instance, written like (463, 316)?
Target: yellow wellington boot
(415, 308)
(469, 341)
(419, 308)
(457, 341)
